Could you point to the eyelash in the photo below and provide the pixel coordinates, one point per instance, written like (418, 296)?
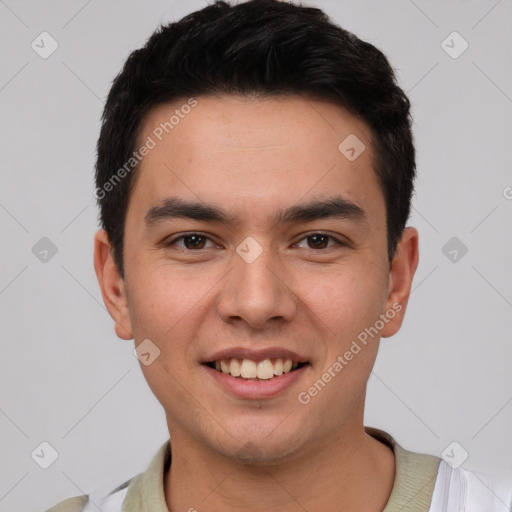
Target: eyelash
(189, 235)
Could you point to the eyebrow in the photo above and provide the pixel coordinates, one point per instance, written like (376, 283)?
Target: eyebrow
(335, 207)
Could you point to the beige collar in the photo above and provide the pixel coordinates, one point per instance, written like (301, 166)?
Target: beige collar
(415, 476)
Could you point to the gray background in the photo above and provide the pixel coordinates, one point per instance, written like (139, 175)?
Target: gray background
(64, 376)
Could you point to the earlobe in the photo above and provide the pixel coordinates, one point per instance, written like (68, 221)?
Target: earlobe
(112, 285)
(401, 274)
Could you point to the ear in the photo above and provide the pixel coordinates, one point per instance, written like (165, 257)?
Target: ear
(112, 285)
(401, 273)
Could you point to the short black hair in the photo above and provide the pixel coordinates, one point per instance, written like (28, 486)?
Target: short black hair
(263, 48)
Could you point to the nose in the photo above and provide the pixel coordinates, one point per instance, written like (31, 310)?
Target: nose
(257, 293)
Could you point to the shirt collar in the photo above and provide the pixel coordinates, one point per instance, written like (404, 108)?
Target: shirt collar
(415, 476)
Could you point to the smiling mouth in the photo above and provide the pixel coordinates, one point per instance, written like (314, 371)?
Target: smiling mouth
(247, 369)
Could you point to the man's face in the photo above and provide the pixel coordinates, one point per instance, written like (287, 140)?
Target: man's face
(275, 275)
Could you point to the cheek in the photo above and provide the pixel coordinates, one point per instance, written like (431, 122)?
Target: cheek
(161, 300)
(348, 308)
(345, 304)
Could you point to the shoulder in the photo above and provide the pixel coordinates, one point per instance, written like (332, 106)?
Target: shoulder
(131, 495)
(460, 489)
(97, 500)
(75, 504)
(428, 483)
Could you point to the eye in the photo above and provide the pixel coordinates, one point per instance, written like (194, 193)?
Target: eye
(191, 241)
(318, 241)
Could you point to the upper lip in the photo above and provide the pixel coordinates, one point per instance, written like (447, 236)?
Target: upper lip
(256, 355)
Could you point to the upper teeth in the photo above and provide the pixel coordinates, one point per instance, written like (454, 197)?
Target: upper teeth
(248, 369)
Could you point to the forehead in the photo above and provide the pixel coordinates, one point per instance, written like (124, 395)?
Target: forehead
(245, 153)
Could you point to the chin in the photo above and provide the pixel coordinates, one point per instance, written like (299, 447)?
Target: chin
(265, 446)
(258, 454)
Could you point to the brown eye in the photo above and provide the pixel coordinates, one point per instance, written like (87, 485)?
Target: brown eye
(194, 241)
(318, 241)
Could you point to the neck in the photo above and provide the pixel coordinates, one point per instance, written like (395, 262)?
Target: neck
(348, 470)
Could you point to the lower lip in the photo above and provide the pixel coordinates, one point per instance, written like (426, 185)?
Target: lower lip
(256, 389)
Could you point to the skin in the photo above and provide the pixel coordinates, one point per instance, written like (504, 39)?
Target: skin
(252, 157)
